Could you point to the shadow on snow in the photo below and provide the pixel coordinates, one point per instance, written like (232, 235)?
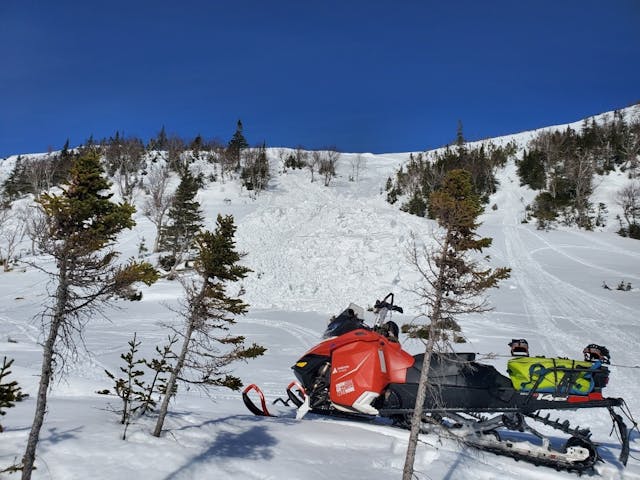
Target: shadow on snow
(253, 444)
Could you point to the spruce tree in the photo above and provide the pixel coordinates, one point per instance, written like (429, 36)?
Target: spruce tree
(184, 221)
(161, 142)
(236, 145)
(82, 224)
(10, 391)
(452, 283)
(160, 367)
(531, 170)
(61, 163)
(423, 174)
(460, 141)
(139, 396)
(207, 347)
(131, 388)
(16, 184)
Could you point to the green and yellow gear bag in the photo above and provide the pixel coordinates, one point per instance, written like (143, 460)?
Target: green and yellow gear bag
(550, 375)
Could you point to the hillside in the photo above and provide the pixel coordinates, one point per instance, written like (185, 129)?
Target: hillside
(314, 249)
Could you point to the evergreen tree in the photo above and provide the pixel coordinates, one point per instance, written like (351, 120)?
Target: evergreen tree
(139, 397)
(131, 389)
(81, 226)
(567, 160)
(416, 205)
(184, 220)
(62, 162)
(160, 142)
(531, 170)
(423, 174)
(16, 184)
(460, 141)
(255, 172)
(65, 148)
(10, 392)
(196, 144)
(452, 282)
(207, 348)
(236, 145)
(160, 367)
(545, 209)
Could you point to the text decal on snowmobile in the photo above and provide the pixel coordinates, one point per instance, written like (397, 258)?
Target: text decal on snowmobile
(343, 388)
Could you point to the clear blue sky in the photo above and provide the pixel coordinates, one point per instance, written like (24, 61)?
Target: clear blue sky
(363, 75)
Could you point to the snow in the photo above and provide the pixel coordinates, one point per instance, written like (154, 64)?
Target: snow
(315, 249)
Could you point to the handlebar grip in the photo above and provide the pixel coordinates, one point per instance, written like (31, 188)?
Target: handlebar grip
(390, 306)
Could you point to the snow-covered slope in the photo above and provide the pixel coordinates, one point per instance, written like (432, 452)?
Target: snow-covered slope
(313, 250)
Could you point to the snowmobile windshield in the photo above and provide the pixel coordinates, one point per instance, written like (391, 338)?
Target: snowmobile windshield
(343, 323)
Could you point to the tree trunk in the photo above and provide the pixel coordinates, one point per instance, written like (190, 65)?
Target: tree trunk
(62, 296)
(178, 256)
(156, 242)
(173, 379)
(416, 419)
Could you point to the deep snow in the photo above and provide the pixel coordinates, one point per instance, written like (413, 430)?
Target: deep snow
(313, 250)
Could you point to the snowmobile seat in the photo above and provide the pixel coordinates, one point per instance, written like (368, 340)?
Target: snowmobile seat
(459, 369)
(443, 366)
(460, 382)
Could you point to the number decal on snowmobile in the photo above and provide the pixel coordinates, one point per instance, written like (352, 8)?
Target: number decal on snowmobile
(550, 397)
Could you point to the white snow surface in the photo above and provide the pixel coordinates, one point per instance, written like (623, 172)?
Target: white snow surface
(313, 250)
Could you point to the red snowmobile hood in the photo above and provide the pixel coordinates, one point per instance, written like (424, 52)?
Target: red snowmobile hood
(359, 335)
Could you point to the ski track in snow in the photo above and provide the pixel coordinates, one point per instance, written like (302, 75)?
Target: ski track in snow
(607, 248)
(26, 329)
(306, 336)
(551, 302)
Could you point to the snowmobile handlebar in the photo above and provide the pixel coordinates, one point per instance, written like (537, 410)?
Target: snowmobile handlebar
(379, 305)
(381, 308)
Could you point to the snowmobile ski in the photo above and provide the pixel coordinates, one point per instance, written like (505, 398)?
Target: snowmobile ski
(296, 397)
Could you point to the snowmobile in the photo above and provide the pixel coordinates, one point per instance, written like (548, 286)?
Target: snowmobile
(360, 372)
